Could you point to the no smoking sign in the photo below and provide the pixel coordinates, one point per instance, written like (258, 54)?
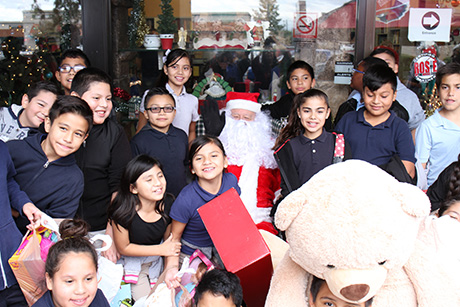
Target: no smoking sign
(306, 25)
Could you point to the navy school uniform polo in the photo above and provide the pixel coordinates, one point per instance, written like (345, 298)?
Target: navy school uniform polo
(377, 144)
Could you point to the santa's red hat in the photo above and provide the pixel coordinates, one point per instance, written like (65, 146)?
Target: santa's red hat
(246, 101)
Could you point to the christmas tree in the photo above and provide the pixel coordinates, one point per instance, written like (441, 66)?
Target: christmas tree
(167, 22)
(137, 25)
(268, 11)
(17, 72)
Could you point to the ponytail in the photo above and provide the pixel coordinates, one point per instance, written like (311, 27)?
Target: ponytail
(294, 126)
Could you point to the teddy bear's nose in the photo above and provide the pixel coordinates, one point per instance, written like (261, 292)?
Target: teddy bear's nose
(355, 292)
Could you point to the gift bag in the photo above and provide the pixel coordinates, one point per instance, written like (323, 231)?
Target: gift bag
(159, 296)
(191, 272)
(123, 297)
(28, 262)
(109, 274)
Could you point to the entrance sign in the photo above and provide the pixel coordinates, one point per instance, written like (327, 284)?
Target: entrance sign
(306, 25)
(429, 25)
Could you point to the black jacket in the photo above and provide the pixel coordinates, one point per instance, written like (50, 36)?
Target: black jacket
(102, 159)
(280, 108)
(396, 168)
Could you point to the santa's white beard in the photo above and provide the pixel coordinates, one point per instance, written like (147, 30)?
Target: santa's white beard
(246, 141)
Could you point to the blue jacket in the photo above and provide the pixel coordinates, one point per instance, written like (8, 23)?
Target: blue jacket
(54, 187)
(10, 197)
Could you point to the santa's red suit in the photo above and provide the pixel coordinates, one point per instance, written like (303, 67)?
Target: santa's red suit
(248, 146)
(258, 187)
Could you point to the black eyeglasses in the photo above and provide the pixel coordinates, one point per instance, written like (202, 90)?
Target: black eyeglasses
(167, 109)
(68, 68)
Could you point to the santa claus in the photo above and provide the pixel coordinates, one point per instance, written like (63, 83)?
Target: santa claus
(248, 143)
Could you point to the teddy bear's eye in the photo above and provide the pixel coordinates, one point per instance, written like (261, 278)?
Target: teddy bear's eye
(382, 262)
(330, 266)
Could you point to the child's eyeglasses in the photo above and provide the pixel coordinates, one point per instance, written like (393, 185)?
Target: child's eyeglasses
(167, 109)
(68, 68)
(361, 72)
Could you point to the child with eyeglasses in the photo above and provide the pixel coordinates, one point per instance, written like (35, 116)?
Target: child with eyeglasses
(176, 73)
(161, 140)
(72, 61)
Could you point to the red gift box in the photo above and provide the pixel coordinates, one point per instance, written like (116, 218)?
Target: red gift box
(240, 245)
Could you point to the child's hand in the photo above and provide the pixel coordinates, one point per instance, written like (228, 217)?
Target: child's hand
(170, 247)
(112, 253)
(172, 281)
(33, 214)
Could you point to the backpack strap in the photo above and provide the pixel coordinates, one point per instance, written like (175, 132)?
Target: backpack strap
(339, 150)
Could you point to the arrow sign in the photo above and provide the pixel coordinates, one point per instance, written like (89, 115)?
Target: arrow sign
(430, 20)
(429, 24)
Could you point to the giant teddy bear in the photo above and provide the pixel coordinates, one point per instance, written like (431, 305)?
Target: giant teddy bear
(367, 235)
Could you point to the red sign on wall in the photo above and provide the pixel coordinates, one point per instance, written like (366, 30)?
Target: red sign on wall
(306, 25)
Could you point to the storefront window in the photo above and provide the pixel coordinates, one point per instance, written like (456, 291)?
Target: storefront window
(33, 33)
(412, 37)
(251, 43)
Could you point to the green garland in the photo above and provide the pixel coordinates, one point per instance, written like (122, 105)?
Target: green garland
(197, 90)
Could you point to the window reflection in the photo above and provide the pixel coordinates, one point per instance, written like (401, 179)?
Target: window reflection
(251, 46)
(33, 33)
(392, 30)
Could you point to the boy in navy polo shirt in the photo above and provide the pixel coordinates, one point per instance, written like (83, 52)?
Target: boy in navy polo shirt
(160, 139)
(375, 134)
(356, 100)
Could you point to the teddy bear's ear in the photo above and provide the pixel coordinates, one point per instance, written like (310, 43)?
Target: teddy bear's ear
(289, 208)
(413, 201)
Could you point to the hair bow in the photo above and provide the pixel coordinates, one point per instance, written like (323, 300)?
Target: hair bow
(167, 52)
